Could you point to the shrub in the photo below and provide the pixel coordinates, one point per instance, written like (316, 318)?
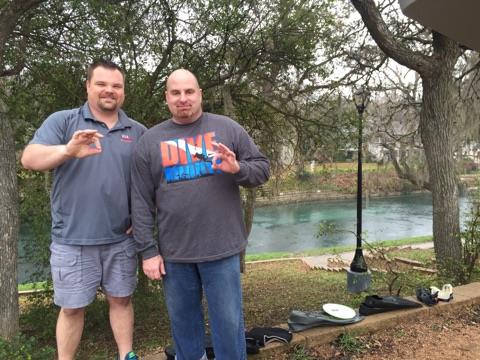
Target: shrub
(471, 242)
(24, 348)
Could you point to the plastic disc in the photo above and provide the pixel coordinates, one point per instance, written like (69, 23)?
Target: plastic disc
(339, 311)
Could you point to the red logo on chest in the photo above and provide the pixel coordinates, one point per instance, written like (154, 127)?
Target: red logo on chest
(126, 138)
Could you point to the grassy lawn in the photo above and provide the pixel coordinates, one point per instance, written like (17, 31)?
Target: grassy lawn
(336, 249)
(281, 255)
(271, 291)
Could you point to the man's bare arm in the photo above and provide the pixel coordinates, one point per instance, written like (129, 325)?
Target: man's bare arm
(45, 157)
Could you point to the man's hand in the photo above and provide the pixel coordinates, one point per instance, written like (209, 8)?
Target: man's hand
(154, 268)
(41, 157)
(84, 143)
(225, 159)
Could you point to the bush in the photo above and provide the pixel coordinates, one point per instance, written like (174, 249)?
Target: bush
(304, 175)
(471, 242)
(25, 348)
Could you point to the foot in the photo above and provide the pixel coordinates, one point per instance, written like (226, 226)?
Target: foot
(130, 356)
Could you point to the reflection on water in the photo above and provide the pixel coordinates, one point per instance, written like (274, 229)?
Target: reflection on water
(293, 227)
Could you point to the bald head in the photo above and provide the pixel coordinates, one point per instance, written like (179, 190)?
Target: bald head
(182, 75)
(184, 97)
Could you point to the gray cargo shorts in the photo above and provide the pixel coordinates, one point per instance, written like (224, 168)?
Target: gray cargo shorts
(78, 271)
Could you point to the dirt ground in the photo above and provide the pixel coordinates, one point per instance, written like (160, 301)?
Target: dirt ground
(449, 336)
(445, 336)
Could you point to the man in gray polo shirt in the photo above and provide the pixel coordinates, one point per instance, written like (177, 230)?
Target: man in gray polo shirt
(89, 149)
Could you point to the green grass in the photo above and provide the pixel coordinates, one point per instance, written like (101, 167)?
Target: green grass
(282, 255)
(269, 256)
(350, 344)
(271, 290)
(300, 353)
(424, 256)
(34, 286)
(335, 249)
(349, 167)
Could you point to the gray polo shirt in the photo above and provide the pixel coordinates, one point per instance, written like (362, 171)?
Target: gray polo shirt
(91, 196)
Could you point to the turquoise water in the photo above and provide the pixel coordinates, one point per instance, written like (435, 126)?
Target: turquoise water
(293, 227)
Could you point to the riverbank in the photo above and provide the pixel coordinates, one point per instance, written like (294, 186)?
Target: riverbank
(332, 250)
(340, 182)
(319, 195)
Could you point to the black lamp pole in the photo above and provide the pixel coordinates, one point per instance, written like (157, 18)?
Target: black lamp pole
(361, 98)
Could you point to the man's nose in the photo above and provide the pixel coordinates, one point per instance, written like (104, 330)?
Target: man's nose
(183, 96)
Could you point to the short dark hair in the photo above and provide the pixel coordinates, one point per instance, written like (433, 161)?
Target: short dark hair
(107, 64)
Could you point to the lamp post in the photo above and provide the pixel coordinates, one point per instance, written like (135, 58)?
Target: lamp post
(360, 98)
(358, 277)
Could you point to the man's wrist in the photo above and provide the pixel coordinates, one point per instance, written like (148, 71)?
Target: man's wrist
(237, 165)
(66, 152)
(149, 253)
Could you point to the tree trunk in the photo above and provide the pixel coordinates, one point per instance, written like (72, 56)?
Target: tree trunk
(10, 13)
(437, 122)
(9, 233)
(248, 204)
(248, 211)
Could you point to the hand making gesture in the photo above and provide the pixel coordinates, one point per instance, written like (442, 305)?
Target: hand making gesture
(225, 159)
(84, 143)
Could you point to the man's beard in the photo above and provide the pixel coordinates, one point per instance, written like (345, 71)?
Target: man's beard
(185, 113)
(108, 107)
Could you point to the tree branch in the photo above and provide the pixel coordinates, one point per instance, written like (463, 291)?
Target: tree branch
(9, 17)
(385, 39)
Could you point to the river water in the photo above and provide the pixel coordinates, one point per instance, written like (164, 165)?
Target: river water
(294, 227)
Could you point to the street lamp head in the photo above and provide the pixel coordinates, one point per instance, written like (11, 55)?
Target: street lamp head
(361, 97)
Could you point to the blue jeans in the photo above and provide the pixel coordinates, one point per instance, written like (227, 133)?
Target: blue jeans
(220, 280)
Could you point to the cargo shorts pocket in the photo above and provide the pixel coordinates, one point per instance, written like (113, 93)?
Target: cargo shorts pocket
(66, 265)
(129, 261)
